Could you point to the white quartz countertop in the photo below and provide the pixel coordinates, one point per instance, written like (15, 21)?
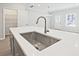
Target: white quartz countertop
(68, 45)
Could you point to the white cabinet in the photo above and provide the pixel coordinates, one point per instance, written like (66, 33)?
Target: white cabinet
(15, 48)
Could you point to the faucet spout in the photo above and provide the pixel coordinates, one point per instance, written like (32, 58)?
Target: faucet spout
(37, 22)
(45, 31)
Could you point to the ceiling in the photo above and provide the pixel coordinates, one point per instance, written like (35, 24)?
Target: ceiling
(44, 7)
(41, 7)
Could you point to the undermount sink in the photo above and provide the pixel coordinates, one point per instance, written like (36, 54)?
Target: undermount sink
(39, 41)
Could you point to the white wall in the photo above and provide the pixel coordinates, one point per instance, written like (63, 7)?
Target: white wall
(22, 18)
(61, 6)
(33, 15)
(62, 14)
(36, 11)
(21, 10)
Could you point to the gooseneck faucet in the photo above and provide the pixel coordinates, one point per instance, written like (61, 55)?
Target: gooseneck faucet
(45, 30)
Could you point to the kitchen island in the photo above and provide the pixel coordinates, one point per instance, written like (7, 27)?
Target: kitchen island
(67, 46)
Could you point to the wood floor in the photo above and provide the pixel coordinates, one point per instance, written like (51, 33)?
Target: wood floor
(5, 47)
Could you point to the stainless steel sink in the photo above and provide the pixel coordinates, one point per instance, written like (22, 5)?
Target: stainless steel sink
(39, 41)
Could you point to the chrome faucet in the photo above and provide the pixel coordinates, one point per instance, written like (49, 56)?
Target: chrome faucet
(45, 30)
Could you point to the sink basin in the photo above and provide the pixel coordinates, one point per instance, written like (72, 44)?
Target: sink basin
(39, 41)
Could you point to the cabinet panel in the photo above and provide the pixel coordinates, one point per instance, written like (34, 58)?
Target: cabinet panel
(15, 48)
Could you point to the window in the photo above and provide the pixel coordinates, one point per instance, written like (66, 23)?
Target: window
(71, 20)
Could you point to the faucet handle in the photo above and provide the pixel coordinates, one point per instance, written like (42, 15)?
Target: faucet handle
(47, 30)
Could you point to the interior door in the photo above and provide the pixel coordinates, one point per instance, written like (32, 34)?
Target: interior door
(2, 31)
(10, 16)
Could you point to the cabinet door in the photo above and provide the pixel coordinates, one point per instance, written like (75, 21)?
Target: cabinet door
(15, 48)
(18, 50)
